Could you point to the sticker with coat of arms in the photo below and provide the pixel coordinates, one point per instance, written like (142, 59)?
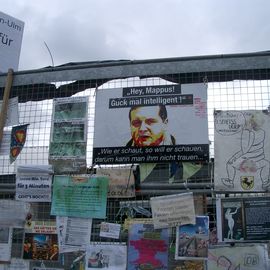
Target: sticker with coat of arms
(247, 182)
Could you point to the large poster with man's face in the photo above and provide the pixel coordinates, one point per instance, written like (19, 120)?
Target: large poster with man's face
(151, 124)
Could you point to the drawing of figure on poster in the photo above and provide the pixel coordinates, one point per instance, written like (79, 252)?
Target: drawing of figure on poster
(229, 216)
(232, 221)
(251, 156)
(248, 165)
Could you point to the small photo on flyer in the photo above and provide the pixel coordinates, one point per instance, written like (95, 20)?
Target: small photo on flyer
(192, 240)
(41, 242)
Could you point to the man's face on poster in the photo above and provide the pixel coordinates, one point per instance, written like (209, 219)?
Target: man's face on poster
(147, 127)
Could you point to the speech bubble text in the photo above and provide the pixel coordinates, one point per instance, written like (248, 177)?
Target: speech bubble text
(229, 122)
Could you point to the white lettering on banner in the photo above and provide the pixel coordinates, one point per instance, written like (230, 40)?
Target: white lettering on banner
(159, 90)
(134, 91)
(116, 103)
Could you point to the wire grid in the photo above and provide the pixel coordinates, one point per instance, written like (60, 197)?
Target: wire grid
(225, 92)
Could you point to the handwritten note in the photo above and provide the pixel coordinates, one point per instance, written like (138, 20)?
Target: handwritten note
(173, 210)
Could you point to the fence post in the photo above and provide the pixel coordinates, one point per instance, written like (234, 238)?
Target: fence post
(4, 108)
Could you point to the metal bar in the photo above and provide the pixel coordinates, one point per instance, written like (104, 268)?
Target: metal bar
(128, 68)
(170, 191)
(205, 185)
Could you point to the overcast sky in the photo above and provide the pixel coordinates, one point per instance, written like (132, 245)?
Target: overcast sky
(90, 30)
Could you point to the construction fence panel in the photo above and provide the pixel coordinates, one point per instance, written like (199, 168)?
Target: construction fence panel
(236, 82)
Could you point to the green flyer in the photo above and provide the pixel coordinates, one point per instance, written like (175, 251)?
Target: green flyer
(79, 196)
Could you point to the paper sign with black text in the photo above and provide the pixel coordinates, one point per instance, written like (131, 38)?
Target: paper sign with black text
(121, 181)
(110, 230)
(11, 30)
(33, 183)
(173, 210)
(73, 233)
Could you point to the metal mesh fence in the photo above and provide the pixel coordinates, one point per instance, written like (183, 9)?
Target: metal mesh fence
(228, 89)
